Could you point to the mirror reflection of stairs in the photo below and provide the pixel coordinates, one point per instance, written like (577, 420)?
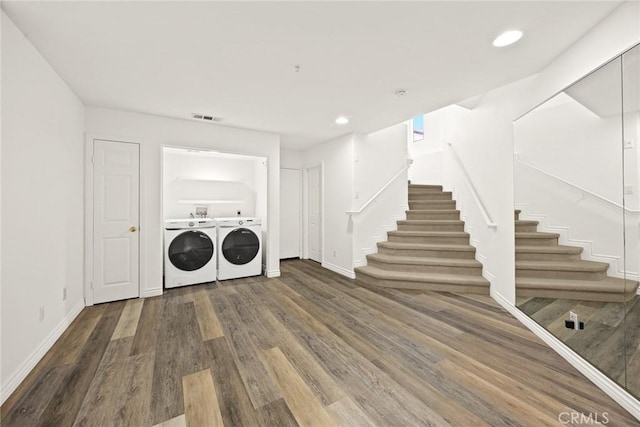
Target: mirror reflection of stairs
(546, 269)
(430, 249)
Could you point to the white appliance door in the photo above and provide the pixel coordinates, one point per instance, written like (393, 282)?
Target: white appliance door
(116, 193)
(290, 213)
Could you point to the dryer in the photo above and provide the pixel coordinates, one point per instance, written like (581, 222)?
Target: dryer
(190, 252)
(239, 247)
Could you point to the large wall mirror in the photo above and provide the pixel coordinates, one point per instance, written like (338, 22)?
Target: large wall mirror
(577, 195)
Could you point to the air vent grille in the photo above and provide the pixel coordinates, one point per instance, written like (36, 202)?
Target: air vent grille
(206, 117)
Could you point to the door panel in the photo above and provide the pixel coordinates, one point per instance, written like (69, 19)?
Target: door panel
(116, 189)
(289, 213)
(315, 214)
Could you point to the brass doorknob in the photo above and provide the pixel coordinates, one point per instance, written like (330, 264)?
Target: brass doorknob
(133, 229)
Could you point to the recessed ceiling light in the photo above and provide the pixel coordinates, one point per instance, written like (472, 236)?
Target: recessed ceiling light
(342, 120)
(507, 38)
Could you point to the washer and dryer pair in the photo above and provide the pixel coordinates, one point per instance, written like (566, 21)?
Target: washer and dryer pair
(202, 250)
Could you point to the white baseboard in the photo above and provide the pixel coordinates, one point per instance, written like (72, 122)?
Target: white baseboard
(613, 390)
(343, 271)
(152, 292)
(25, 368)
(273, 273)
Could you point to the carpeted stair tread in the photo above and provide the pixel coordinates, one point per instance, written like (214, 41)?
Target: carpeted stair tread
(556, 249)
(395, 259)
(526, 222)
(430, 222)
(536, 235)
(562, 265)
(608, 284)
(453, 279)
(409, 233)
(426, 246)
(434, 211)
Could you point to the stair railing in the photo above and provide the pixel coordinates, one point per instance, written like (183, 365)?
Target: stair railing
(384, 187)
(577, 187)
(472, 190)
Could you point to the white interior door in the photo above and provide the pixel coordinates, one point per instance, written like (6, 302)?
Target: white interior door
(315, 213)
(116, 192)
(290, 214)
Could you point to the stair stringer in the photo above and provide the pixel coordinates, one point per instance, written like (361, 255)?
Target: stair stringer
(363, 252)
(469, 228)
(615, 263)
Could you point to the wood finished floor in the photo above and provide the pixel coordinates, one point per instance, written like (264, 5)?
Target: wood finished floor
(309, 348)
(610, 340)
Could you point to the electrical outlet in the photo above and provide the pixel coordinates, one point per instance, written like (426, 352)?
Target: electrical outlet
(41, 315)
(334, 254)
(64, 294)
(357, 194)
(628, 144)
(574, 318)
(628, 189)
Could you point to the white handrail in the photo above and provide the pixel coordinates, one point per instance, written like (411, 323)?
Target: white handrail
(473, 191)
(384, 187)
(577, 187)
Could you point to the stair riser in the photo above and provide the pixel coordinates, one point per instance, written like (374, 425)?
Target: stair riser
(430, 206)
(580, 295)
(428, 253)
(546, 257)
(569, 275)
(414, 187)
(431, 227)
(526, 241)
(436, 269)
(454, 215)
(430, 240)
(526, 228)
(429, 196)
(419, 193)
(442, 287)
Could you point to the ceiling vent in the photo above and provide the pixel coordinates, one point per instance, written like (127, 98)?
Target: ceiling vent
(205, 117)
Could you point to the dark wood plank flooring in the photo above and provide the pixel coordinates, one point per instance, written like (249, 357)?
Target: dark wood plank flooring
(308, 348)
(610, 340)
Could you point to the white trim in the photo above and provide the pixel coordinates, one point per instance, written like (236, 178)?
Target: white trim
(488, 275)
(384, 187)
(604, 383)
(88, 214)
(340, 270)
(575, 186)
(152, 292)
(27, 366)
(273, 273)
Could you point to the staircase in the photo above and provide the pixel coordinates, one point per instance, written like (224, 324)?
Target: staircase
(546, 269)
(429, 251)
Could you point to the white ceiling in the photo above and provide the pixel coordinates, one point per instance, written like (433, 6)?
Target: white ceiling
(236, 59)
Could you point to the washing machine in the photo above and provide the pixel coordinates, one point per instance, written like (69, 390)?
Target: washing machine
(239, 247)
(190, 251)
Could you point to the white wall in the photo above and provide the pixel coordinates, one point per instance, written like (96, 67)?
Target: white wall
(483, 138)
(378, 157)
(336, 157)
(202, 176)
(291, 159)
(154, 132)
(427, 153)
(42, 202)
